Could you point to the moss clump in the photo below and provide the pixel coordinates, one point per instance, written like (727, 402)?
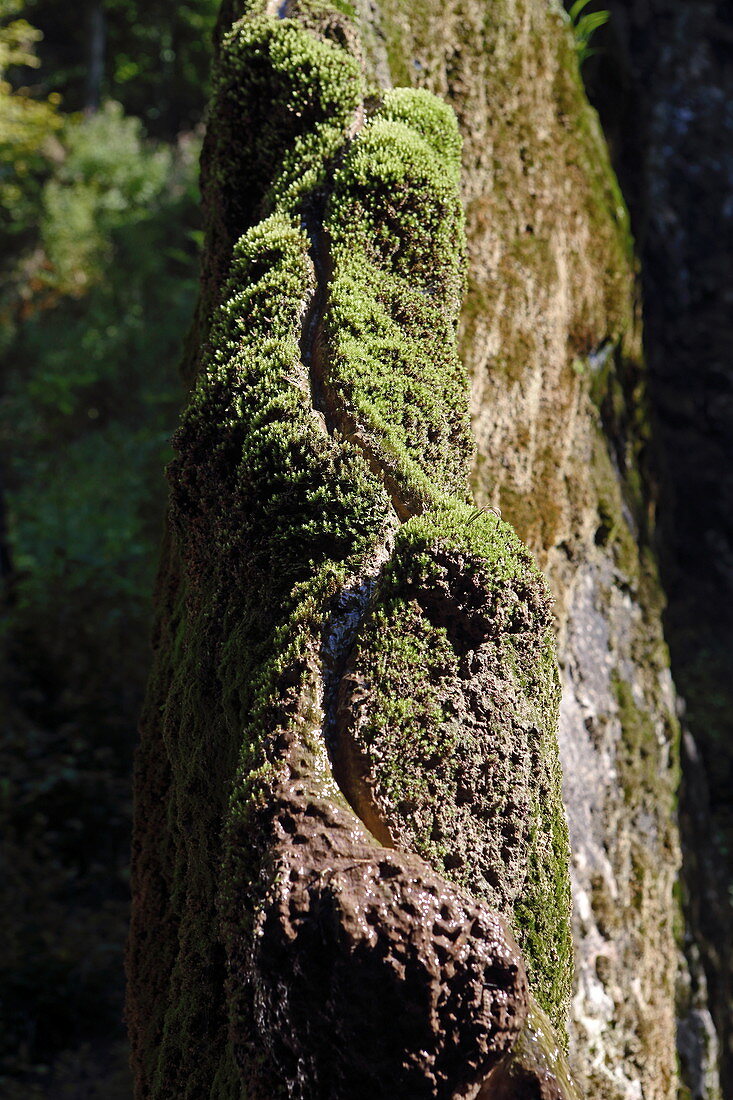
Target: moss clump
(433, 120)
(261, 493)
(454, 711)
(283, 99)
(395, 226)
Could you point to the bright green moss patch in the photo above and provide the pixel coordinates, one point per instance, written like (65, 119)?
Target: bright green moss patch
(481, 533)
(395, 229)
(432, 119)
(283, 101)
(260, 490)
(542, 912)
(397, 377)
(395, 203)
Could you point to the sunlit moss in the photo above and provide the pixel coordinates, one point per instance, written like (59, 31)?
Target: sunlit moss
(395, 227)
(283, 101)
(457, 714)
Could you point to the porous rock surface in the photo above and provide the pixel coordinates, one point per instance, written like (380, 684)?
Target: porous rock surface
(346, 926)
(549, 334)
(664, 87)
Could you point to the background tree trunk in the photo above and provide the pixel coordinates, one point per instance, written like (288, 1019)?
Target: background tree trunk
(95, 68)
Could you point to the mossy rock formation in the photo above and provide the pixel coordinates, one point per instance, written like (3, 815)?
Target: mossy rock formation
(346, 641)
(348, 765)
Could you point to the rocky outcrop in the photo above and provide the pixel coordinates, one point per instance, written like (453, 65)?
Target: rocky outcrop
(551, 337)
(344, 640)
(332, 607)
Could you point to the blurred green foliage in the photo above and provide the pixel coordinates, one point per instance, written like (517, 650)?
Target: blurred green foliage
(26, 124)
(104, 184)
(157, 56)
(99, 239)
(585, 24)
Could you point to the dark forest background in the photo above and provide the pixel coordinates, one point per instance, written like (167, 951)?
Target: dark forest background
(100, 126)
(101, 109)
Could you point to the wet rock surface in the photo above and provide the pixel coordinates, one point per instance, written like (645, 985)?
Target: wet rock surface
(536, 1069)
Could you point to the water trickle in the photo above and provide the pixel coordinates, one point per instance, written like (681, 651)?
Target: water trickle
(340, 631)
(536, 1067)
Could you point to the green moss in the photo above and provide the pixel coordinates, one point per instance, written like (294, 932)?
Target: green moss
(455, 715)
(432, 119)
(395, 202)
(395, 226)
(483, 535)
(283, 101)
(253, 456)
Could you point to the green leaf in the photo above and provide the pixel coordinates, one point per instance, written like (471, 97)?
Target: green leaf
(590, 23)
(577, 8)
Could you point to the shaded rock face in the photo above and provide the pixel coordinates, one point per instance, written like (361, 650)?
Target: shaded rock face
(664, 86)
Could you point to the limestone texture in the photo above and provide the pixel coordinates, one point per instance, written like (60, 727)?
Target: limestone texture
(348, 783)
(347, 642)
